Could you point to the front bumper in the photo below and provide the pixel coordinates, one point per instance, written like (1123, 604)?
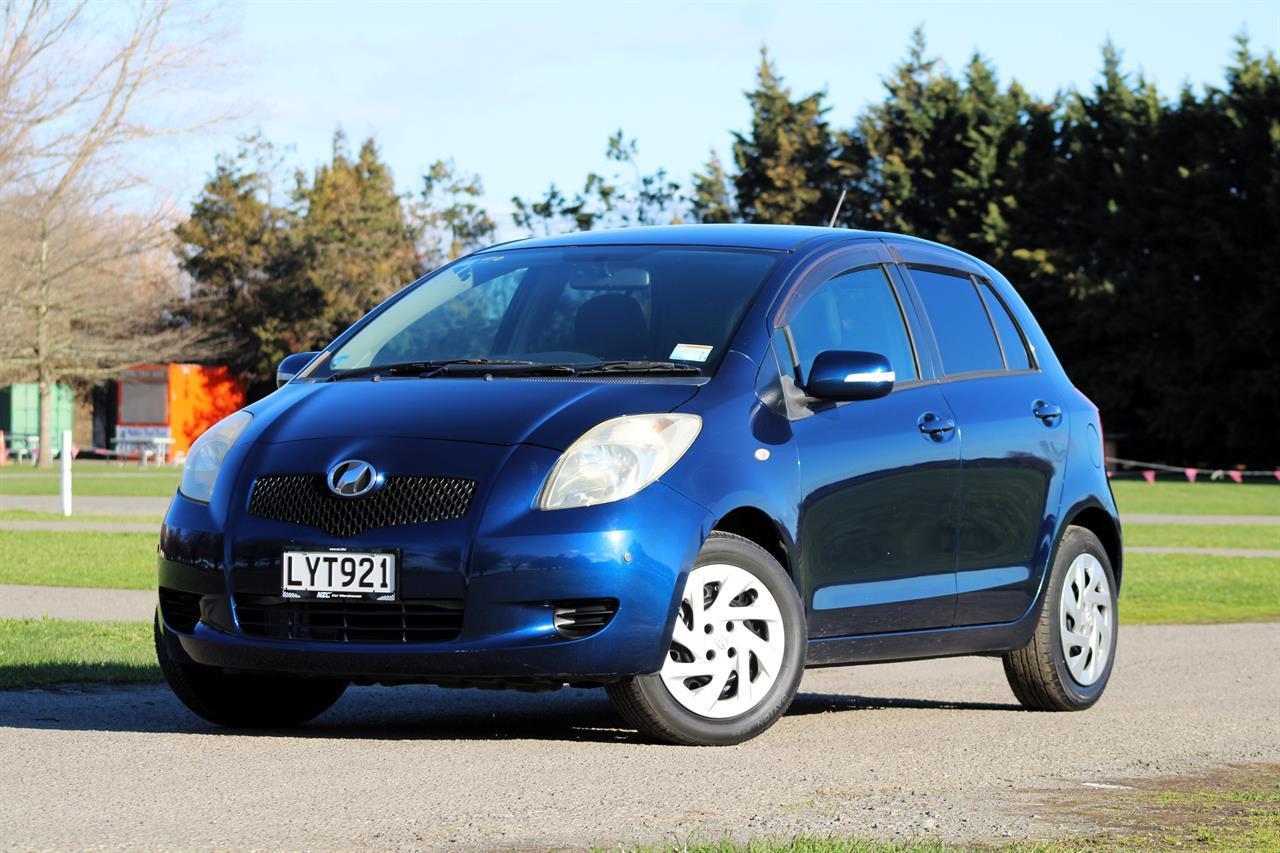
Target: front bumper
(520, 564)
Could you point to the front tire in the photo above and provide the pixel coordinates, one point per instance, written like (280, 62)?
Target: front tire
(736, 655)
(1068, 661)
(245, 700)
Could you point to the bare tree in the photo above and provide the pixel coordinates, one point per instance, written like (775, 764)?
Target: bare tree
(85, 93)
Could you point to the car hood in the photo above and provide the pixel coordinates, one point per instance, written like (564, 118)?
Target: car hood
(547, 412)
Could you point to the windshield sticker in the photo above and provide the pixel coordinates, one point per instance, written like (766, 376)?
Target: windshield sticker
(691, 352)
(340, 359)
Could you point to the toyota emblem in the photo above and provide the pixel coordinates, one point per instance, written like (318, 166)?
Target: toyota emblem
(353, 478)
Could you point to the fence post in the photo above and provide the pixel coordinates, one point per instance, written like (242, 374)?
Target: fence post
(66, 472)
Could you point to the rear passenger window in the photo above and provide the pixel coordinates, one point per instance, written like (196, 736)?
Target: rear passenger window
(960, 323)
(854, 311)
(1015, 348)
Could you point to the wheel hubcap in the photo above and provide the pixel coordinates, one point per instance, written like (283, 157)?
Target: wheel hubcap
(1085, 619)
(727, 648)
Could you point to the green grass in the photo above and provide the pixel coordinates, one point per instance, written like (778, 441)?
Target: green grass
(53, 651)
(797, 844)
(1197, 498)
(103, 560)
(1259, 830)
(1183, 588)
(1265, 536)
(28, 515)
(92, 482)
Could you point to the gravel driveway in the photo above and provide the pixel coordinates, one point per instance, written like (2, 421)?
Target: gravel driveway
(930, 748)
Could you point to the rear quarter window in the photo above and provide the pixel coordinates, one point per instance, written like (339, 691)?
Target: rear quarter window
(1011, 340)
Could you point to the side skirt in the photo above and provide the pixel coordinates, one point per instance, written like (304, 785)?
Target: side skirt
(920, 645)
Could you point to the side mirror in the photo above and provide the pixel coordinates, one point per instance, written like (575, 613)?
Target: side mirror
(849, 375)
(291, 365)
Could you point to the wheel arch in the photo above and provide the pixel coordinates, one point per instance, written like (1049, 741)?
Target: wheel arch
(1102, 524)
(757, 525)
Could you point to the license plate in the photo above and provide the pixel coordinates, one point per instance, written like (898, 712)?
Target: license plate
(339, 574)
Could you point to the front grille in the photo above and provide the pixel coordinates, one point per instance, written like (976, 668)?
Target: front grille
(305, 499)
(577, 619)
(181, 610)
(329, 621)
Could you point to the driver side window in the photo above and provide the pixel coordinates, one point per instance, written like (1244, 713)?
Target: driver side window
(855, 310)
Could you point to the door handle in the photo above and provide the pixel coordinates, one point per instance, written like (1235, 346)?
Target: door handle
(1048, 413)
(936, 428)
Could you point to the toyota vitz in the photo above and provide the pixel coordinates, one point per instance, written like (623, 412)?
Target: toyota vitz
(679, 463)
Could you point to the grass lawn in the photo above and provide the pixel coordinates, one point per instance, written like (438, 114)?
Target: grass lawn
(95, 481)
(1266, 536)
(1197, 498)
(28, 515)
(51, 651)
(1173, 588)
(104, 560)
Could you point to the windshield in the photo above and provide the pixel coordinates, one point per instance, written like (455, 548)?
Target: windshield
(575, 306)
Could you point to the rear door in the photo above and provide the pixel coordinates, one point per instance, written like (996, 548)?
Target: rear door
(1013, 438)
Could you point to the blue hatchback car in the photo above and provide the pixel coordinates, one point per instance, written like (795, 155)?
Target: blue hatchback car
(679, 463)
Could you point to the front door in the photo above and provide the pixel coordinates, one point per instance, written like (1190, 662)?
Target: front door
(880, 478)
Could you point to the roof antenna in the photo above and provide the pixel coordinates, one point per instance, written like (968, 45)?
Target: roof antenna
(836, 212)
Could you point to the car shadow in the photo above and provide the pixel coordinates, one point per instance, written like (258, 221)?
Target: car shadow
(412, 712)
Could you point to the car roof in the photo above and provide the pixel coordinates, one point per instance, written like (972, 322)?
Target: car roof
(778, 238)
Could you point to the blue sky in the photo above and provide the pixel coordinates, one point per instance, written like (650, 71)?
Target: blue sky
(527, 93)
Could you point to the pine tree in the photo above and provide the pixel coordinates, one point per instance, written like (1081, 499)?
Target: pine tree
(1107, 192)
(712, 198)
(353, 242)
(233, 248)
(450, 213)
(787, 166)
(1199, 294)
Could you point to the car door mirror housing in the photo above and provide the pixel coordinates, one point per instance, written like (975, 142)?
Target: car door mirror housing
(849, 375)
(292, 365)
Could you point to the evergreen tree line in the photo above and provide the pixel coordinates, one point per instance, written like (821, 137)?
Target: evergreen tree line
(1144, 232)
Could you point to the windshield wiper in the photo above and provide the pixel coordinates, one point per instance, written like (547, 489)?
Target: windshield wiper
(638, 367)
(499, 367)
(509, 367)
(422, 368)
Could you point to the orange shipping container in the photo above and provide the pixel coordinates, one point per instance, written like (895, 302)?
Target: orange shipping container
(176, 401)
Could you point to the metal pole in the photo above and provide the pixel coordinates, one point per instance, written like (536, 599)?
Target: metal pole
(66, 472)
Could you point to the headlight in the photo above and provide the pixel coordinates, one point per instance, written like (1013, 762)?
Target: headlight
(205, 458)
(618, 458)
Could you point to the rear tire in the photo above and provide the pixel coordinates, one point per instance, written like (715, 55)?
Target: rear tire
(747, 613)
(1068, 661)
(245, 700)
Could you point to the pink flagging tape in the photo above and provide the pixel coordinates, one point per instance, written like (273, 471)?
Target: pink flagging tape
(1147, 468)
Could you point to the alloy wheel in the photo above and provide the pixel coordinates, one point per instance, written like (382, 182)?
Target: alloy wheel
(727, 648)
(1086, 619)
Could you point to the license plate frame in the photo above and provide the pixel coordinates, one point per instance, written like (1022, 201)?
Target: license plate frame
(295, 582)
